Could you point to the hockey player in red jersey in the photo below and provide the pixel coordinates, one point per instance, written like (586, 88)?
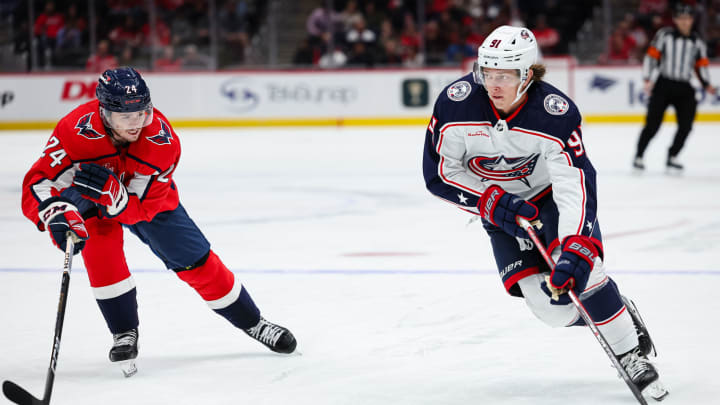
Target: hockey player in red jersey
(504, 144)
(109, 165)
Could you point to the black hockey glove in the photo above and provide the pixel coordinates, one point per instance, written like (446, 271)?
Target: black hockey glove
(502, 209)
(574, 265)
(60, 216)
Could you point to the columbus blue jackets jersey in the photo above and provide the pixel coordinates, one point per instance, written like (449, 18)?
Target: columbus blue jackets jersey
(537, 149)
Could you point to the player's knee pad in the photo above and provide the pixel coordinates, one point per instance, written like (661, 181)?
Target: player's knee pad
(539, 303)
(209, 277)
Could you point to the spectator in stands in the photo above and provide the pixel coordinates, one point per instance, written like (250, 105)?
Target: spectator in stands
(622, 46)
(648, 10)
(320, 22)
(162, 34)
(125, 34)
(71, 35)
(127, 57)
(360, 55)
(412, 58)
(194, 60)
(435, 44)
(102, 59)
(348, 16)
(167, 61)
(46, 28)
(458, 50)
(389, 53)
(234, 39)
(335, 58)
(409, 38)
(373, 16)
(360, 33)
(547, 37)
(305, 54)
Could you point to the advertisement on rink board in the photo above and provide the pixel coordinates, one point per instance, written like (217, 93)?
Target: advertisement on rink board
(349, 97)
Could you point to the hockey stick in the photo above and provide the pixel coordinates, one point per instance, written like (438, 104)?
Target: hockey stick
(584, 314)
(16, 393)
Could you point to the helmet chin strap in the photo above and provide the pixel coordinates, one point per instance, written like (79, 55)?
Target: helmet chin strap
(522, 90)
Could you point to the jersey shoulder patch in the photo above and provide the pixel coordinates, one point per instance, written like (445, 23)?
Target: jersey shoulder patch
(158, 145)
(459, 91)
(555, 104)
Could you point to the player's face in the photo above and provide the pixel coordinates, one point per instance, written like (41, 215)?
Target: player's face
(502, 86)
(127, 126)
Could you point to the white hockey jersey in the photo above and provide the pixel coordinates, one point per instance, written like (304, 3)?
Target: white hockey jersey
(537, 149)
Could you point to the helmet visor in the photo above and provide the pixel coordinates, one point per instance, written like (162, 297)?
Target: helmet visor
(128, 120)
(499, 77)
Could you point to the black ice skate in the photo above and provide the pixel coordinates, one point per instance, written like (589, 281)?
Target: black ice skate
(673, 165)
(638, 164)
(645, 343)
(125, 350)
(274, 337)
(643, 374)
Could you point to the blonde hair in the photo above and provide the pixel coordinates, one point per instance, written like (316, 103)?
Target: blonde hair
(538, 71)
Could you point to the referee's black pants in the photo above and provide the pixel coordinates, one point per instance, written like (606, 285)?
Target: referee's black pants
(680, 95)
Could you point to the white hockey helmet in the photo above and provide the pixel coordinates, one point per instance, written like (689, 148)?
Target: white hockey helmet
(507, 47)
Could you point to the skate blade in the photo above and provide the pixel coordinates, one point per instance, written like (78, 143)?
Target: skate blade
(128, 368)
(656, 391)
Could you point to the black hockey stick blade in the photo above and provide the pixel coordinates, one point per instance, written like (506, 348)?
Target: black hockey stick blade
(18, 395)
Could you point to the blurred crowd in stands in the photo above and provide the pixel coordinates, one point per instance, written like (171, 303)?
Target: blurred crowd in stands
(631, 36)
(368, 33)
(175, 35)
(127, 31)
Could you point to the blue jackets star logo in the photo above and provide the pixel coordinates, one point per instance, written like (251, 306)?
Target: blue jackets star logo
(502, 168)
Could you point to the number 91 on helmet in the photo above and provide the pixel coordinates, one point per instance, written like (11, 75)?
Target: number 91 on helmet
(124, 99)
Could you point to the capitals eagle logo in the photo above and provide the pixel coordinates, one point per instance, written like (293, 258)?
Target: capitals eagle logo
(501, 168)
(163, 137)
(85, 127)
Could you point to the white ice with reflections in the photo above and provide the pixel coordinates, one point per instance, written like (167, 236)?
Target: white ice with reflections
(393, 299)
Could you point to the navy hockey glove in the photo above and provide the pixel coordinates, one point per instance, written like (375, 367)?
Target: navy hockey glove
(502, 209)
(101, 185)
(86, 208)
(59, 216)
(574, 265)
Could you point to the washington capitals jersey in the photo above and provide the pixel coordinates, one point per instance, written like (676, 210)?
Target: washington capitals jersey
(536, 149)
(145, 166)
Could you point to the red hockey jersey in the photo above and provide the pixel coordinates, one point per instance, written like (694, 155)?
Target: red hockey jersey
(145, 166)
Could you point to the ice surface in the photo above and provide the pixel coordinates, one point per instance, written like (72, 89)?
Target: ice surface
(393, 299)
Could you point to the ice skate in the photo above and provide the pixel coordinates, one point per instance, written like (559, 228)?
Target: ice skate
(274, 337)
(674, 166)
(638, 164)
(645, 343)
(124, 351)
(643, 374)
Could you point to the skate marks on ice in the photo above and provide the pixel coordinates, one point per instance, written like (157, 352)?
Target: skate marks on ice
(435, 328)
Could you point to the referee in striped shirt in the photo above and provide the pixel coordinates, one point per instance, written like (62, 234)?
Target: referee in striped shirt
(671, 58)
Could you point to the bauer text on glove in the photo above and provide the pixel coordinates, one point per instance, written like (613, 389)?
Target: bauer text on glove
(502, 209)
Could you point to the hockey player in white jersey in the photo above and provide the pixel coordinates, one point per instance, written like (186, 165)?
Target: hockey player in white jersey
(502, 143)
